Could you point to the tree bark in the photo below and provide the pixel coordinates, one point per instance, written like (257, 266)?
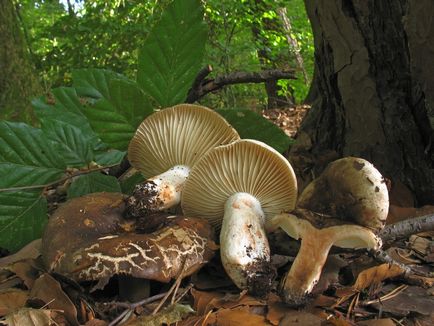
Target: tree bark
(373, 84)
(18, 82)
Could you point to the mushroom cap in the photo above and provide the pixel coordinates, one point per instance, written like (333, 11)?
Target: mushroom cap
(87, 239)
(178, 135)
(247, 166)
(350, 188)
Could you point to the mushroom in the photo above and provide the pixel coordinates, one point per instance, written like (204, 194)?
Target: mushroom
(87, 239)
(350, 191)
(350, 188)
(165, 147)
(318, 233)
(238, 186)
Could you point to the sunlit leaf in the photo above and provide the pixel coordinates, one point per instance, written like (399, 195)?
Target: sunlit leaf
(173, 52)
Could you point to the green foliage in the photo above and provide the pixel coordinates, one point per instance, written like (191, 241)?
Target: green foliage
(172, 54)
(251, 125)
(93, 182)
(88, 126)
(23, 215)
(26, 157)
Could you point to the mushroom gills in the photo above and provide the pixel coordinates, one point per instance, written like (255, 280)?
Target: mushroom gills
(316, 241)
(244, 245)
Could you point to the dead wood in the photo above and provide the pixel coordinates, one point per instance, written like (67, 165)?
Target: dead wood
(202, 86)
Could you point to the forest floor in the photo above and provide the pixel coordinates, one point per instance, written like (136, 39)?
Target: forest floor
(287, 119)
(355, 288)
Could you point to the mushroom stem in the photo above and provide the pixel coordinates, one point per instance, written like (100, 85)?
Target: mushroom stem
(158, 193)
(244, 247)
(315, 246)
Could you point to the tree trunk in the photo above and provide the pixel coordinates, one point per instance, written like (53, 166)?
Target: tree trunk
(374, 86)
(18, 82)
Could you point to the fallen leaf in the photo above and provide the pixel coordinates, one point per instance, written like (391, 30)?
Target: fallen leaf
(206, 301)
(276, 309)
(96, 322)
(29, 317)
(202, 300)
(12, 299)
(401, 255)
(377, 322)
(167, 316)
(26, 270)
(413, 299)
(375, 275)
(30, 251)
(236, 317)
(47, 289)
(300, 318)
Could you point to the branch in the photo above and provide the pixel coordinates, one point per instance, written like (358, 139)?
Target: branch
(404, 229)
(202, 86)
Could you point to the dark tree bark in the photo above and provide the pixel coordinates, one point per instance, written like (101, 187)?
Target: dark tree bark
(18, 82)
(373, 86)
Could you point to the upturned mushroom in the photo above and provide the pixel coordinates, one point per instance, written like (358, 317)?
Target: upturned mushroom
(166, 146)
(237, 187)
(88, 239)
(318, 233)
(342, 207)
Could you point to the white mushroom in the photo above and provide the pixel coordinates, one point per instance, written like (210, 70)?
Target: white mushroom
(166, 146)
(238, 186)
(350, 191)
(350, 188)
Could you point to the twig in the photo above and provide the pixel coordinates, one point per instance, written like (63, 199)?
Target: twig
(132, 306)
(193, 94)
(51, 184)
(172, 289)
(404, 229)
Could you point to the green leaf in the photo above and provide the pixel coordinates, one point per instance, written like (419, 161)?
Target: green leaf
(116, 120)
(66, 108)
(173, 53)
(27, 157)
(94, 82)
(93, 182)
(75, 147)
(23, 216)
(109, 157)
(254, 126)
(128, 184)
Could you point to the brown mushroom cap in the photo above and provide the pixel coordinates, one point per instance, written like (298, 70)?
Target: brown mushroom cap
(178, 135)
(350, 188)
(247, 166)
(88, 239)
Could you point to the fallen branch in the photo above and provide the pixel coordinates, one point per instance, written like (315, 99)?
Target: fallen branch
(404, 229)
(202, 86)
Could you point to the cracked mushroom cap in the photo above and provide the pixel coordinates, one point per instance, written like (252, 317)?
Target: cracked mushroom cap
(247, 166)
(350, 188)
(88, 239)
(178, 135)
